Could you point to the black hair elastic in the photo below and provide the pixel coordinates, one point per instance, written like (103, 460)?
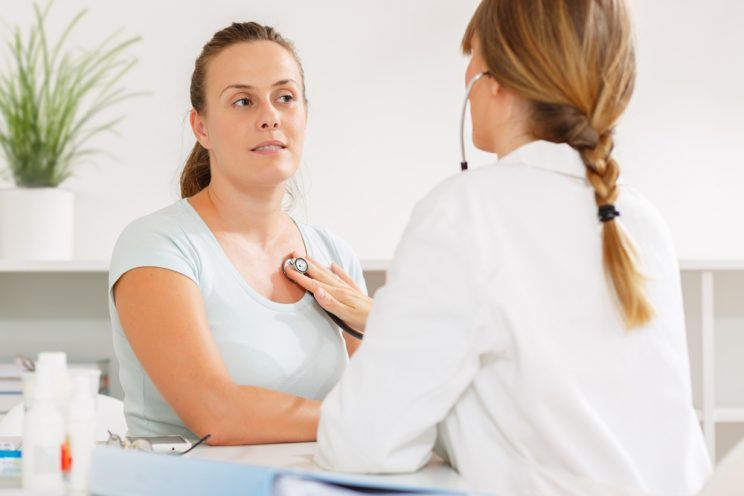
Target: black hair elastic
(607, 212)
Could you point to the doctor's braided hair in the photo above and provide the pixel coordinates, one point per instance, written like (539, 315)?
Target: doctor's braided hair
(196, 173)
(574, 61)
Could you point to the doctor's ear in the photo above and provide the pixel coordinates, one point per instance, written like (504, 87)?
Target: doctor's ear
(199, 128)
(493, 86)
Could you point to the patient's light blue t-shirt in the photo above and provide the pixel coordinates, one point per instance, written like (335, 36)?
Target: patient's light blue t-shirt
(295, 348)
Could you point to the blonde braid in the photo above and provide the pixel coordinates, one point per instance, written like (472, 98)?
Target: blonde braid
(619, 255)
(601, 169)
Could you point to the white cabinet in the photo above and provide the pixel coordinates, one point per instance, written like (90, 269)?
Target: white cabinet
(714, 313)
(63, 306)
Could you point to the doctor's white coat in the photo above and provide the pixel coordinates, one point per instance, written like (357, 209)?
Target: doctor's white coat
(497, 341)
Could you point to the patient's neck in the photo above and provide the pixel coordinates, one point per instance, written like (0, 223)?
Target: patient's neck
(255, 213)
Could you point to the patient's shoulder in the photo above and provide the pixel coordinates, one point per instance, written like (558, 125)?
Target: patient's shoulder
(167, 223)
(166, 238)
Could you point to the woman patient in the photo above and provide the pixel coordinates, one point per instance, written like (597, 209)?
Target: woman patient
(210, 336)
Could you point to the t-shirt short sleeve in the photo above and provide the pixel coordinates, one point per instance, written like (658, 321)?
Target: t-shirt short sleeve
(153, 241)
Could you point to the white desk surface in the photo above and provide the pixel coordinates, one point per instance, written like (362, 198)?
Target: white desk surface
(300, 456)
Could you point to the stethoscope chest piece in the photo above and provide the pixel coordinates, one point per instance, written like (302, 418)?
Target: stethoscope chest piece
(299, 264)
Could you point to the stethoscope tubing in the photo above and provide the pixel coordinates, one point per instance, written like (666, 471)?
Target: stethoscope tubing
(464, 162)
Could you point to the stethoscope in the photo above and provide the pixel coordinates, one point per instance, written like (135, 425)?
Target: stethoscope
(464, 162)
(300, 264)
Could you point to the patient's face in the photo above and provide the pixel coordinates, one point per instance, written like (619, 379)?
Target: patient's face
(254, 96)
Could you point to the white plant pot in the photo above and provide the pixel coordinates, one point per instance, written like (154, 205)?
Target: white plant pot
(36, 223)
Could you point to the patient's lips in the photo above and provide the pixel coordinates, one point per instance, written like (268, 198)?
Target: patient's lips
(269, 147)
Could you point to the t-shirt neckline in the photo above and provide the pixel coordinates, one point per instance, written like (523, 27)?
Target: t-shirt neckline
(258, 297)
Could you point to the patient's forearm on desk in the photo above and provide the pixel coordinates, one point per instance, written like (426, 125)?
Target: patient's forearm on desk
(250, 415)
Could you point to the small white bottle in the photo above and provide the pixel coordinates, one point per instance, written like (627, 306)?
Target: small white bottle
(44, 432)
(81, 430)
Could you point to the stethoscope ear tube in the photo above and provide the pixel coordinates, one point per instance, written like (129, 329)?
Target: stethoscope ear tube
(300, 265)
(464, 162)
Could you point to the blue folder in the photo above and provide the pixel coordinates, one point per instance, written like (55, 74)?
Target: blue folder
(118, 472)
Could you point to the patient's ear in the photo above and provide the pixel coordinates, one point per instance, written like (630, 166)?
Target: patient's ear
(199, 128)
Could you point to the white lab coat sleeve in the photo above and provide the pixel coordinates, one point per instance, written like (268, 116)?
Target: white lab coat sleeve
(420, 350)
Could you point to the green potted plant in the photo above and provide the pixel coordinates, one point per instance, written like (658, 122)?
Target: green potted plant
(51, 99)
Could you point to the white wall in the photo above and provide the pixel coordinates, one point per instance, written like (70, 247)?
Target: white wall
(682, 139)
(385, 80)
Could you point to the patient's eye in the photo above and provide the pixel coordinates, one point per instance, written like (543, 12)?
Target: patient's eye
(242, 102)
(288, 98)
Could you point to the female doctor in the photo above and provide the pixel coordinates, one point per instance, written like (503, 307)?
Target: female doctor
(528, 333)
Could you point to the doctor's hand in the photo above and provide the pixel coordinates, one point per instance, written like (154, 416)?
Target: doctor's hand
(336, 292)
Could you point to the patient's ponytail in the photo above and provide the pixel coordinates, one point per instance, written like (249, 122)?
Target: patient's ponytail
(196, 175)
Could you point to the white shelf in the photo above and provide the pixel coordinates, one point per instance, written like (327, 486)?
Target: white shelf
(371, 265)
(724, 415)
(711, 264)
(68, 266)
(73, 266)
(729, 415)
(375, 265)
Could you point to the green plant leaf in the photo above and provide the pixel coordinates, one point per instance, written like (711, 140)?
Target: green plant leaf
(50, 96)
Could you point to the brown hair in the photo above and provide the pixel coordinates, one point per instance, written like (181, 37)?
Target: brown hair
(196, 173)
(574, 61)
